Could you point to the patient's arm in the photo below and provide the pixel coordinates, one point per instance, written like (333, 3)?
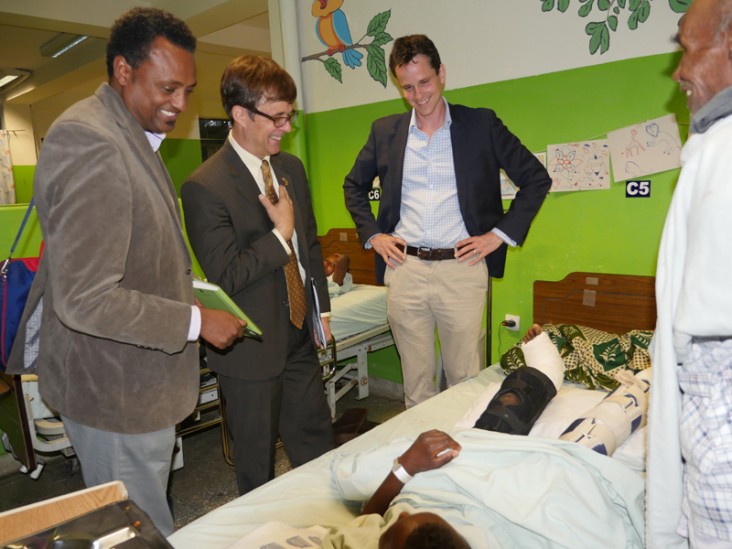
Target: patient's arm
(421, 456)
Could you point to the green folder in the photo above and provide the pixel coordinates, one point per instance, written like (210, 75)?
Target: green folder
(213, 297)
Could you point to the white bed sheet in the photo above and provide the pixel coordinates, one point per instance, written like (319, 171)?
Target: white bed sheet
(358, 310)
(359, 326)
(307, 495)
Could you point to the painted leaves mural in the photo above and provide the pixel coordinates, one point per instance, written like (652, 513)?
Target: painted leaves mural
(608, 14)
(333, 30)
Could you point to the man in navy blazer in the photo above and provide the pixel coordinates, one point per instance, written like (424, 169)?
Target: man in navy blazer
(243, 243)
(440, 229)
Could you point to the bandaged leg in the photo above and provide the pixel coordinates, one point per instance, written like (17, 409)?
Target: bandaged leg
(619, 414)
(525, 392)
(518, 404)
(541, 354)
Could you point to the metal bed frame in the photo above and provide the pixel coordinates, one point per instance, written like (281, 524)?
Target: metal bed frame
(339, 379)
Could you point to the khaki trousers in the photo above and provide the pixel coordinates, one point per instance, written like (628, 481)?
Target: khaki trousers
(449, 296)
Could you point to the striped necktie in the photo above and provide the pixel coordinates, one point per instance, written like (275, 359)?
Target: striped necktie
(295, 288)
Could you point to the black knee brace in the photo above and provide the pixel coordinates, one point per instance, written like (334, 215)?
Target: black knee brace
(532, 388)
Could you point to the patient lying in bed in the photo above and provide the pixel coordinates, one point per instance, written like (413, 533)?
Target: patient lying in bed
(514, 409)
(498, 491)
(424, 501)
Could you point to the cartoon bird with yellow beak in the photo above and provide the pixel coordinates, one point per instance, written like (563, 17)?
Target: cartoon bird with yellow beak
(332, 30)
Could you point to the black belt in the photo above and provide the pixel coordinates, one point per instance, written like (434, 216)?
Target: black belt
(430, 254)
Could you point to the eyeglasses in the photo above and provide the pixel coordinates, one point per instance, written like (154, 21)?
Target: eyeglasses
(278, 121)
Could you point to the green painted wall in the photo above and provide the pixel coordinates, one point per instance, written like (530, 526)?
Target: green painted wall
(11, 217)
(23, 177)
(181, 157)
(594, 230)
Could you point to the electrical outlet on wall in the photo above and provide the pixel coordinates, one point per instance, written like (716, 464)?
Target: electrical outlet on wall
(512, 322)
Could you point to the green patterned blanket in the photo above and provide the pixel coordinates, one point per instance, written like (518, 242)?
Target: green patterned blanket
(592, 357)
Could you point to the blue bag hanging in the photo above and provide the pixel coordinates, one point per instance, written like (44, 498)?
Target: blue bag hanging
(16, 278)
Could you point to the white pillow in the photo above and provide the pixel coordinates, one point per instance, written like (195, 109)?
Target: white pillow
(569, 404)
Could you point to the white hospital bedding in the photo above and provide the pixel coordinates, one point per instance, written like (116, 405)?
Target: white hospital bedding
(308, 495)
(360, 309)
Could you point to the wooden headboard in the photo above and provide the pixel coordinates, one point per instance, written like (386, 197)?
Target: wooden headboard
(346, 241)
(609, 302)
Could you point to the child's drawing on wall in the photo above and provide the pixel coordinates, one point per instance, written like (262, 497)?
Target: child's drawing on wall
(508, 187)
(633, 147)
(580, 166)
(642, 149)
(669, 143)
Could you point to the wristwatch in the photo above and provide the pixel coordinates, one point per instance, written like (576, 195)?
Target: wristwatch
(400, 472)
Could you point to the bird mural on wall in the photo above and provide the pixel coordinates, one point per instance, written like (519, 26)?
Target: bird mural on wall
(332, 29)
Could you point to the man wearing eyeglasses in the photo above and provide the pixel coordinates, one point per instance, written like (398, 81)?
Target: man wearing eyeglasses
(251, 225)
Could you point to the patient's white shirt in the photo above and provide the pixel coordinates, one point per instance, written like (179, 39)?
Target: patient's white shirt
(335, 290)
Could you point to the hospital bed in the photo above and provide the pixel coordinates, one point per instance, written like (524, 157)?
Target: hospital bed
(309, 494)
(358, 320)
(33, 431)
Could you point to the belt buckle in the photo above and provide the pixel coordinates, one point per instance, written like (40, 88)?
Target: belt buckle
(424, 253)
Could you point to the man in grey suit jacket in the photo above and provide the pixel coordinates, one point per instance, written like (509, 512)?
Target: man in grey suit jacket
(243, 242)
(441, 228)
(117, 353)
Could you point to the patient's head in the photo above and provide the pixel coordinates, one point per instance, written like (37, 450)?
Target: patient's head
(336, 265)
(421, 531)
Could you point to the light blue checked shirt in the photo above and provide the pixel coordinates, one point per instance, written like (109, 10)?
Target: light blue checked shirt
(706, 431)
(430, 213)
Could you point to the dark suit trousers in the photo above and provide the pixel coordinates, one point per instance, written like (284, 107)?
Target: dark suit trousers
(292, 405)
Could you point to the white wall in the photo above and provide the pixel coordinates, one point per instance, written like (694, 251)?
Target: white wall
(480, 41)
